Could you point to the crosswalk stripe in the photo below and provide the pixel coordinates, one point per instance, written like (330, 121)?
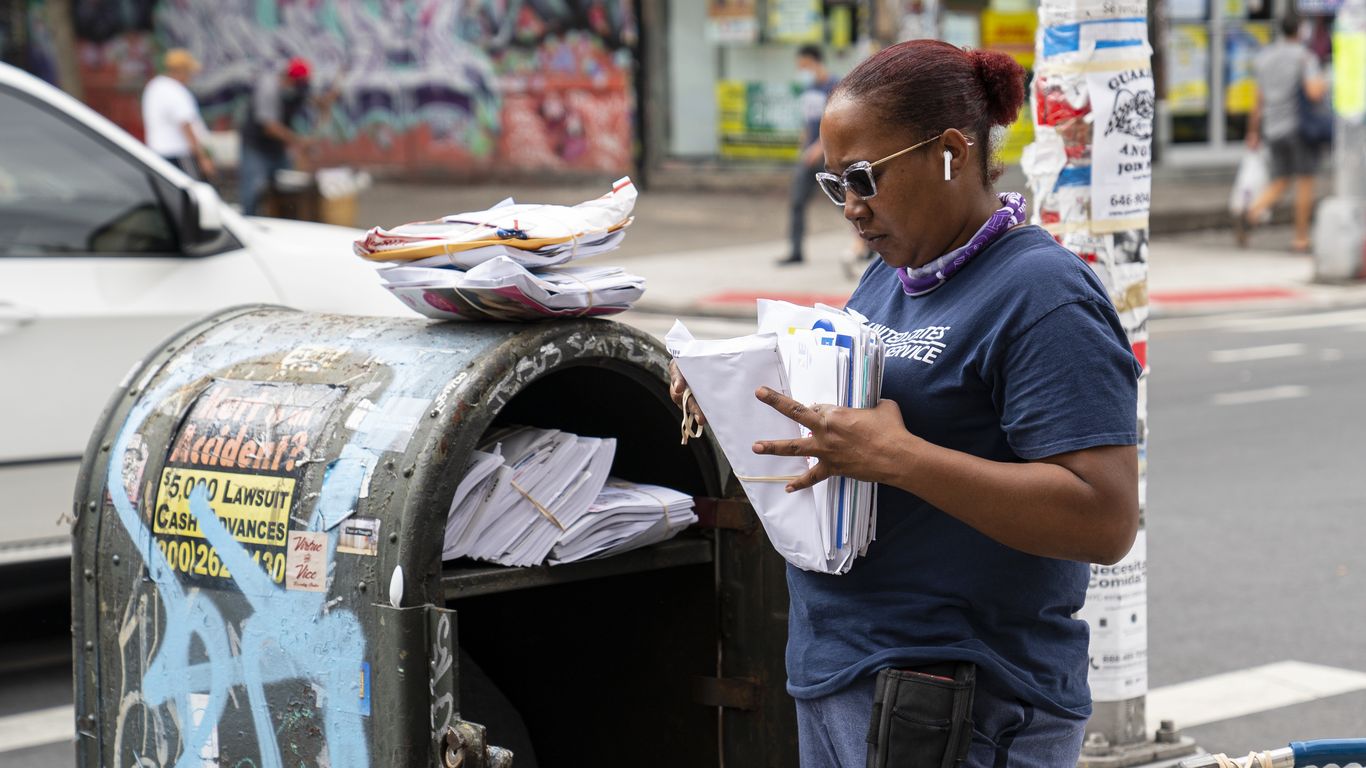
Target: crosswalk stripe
(1247, 692)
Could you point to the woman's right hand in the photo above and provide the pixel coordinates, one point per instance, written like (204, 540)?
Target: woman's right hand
(677, 386)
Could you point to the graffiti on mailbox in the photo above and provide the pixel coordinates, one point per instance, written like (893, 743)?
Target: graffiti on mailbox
(186, 661)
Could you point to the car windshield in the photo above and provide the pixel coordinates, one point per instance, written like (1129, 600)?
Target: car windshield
(63, 191)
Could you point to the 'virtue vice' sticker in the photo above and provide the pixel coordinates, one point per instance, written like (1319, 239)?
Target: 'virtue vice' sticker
(306, 561)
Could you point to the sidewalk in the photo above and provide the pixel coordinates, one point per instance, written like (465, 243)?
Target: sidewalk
(1199, 273)
(713, 252)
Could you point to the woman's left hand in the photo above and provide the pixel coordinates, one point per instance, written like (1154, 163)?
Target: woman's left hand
(860, 443)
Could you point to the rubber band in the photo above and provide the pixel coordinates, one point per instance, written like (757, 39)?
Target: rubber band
(690, 427)
(1253, 760)
(583, 312)
(539, 507)
(766, 478)
(668, 528)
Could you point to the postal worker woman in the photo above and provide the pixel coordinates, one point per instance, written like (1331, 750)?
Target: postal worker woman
(1006, 457)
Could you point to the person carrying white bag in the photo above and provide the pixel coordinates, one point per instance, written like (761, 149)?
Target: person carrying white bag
(1004, 447)
(1248, 183)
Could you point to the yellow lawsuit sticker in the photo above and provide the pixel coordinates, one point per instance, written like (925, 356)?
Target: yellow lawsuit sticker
(254, 508)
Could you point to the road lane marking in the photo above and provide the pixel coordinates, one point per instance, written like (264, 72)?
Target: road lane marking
(1262, 322)
(1248, 354)
(1272, 324)
(1248, 692)
(1287, 392)
(34, 729)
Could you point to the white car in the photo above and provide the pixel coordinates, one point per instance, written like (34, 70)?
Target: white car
(106, 249)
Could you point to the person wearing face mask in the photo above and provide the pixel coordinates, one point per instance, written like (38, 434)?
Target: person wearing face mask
(1004, 447)
(816, 83)
(270, 132)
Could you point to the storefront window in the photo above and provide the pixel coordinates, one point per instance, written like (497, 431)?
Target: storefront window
(733, 79)
(732, 84)
(1241, 45)
(1212, 46)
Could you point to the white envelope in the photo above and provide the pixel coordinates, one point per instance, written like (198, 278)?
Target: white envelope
(779, 316)
(723, 375)
(812, 367)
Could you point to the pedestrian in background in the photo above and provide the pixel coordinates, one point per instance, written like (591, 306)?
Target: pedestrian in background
(270, 133)
(1289, 85)
(817, 83)
(170, 116)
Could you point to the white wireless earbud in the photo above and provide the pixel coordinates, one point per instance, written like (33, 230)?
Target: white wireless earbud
(948, 156)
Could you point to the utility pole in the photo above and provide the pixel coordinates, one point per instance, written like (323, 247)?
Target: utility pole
(1090, 172)
(1340, 222)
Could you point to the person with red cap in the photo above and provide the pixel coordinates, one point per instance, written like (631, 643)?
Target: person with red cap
(272, 130)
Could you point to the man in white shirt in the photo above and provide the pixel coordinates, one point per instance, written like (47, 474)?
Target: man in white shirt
(170, 116)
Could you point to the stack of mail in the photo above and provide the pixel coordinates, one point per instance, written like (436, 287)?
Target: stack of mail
(534, 236)
(815, 355)
(502, 289)
(506, 263)
(625, 516)
(529, 494)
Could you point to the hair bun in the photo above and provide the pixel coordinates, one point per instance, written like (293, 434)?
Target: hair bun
(1003, 81)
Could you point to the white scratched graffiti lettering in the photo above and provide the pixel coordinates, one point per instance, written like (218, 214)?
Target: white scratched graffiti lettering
(442, 663)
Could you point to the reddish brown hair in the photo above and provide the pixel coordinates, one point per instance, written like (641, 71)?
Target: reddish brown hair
(929, 86)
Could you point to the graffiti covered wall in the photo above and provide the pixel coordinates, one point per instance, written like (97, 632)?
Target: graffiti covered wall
(424, 86)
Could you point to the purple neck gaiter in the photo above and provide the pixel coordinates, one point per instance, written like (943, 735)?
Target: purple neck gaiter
(918, 281)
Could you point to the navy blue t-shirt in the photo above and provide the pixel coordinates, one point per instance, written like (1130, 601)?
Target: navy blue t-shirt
(1019, 356)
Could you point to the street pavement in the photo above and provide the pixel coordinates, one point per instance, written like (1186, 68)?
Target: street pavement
(1255, 499)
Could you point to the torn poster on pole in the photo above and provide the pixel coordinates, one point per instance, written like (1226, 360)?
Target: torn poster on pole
(1117, 610)
(1122, 108)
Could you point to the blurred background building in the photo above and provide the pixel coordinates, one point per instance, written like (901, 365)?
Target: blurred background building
(667, 89)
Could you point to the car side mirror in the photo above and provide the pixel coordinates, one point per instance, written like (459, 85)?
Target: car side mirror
(203, 218)
(207, 208)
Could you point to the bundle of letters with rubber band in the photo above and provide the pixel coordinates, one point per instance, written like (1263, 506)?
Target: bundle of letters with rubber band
(508, 262)
(531, 495)
(815, 355)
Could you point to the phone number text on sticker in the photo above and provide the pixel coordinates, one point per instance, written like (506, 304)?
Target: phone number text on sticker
(200, 559)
